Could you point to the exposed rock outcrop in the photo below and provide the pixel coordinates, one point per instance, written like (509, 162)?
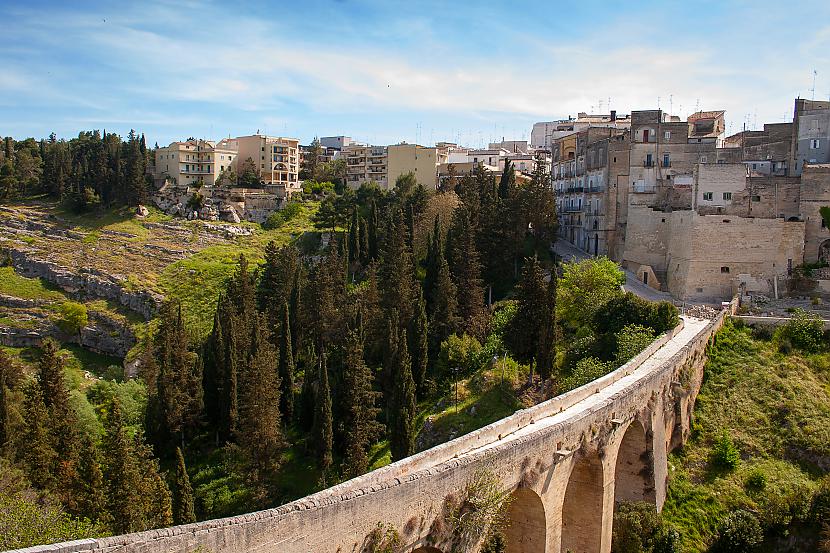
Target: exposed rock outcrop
(87, 283)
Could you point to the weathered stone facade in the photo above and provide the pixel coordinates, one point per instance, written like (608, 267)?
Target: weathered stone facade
(221, 203)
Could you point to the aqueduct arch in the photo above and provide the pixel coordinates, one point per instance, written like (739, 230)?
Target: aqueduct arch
(426, 549)
(583, 506)
(634, 472)
(527, 522)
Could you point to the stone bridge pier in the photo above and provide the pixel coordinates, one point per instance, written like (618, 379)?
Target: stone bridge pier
(566, 463)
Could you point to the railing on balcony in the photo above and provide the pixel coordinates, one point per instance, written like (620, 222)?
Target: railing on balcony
(644, 188)
(648, 163)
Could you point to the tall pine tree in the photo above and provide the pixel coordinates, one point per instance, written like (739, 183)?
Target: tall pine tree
(286, 368)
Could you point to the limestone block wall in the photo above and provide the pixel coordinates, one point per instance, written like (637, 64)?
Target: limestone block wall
(815, 193)
(709, 253)
(565, 460)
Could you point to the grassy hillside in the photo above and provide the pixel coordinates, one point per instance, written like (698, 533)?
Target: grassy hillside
(775, 407)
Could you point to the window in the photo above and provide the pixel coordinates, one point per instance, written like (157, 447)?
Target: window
(815, 144)
(756, 198)
(727, 195)
(666, 160)
(707, 196)
(724, 270)
(667, 135)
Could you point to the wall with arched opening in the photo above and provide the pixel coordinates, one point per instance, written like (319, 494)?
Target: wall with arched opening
(582, 507)
(527, 525)
(634, 471)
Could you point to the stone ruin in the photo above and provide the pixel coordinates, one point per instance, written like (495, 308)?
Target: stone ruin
(221, 203)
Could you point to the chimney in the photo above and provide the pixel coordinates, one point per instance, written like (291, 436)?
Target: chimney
(613, 115)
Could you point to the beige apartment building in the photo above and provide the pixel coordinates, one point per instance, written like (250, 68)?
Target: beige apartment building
(384, 164)
(195, 162)
(275, 160)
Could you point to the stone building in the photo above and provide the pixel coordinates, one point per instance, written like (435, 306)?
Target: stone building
(690, 211)
(194, 162)
(811, 133)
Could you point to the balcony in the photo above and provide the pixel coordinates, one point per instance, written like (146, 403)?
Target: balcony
(644, 188)
(648, 163)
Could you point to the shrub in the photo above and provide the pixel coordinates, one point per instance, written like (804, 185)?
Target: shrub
(739, 532)
(821, 501)
(756, 480)
(631, 340)
(586, 370)
(626, 309)
(73, 317)
(585, 286)
(279, 218)
(763, 332)
(725, 455)
(804, 330)
(462, 352)
(195, 202)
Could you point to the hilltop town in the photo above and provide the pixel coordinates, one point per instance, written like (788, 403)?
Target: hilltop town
(687, 209)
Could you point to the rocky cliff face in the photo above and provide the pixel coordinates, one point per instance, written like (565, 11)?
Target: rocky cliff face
(103, 334)
(86, 283)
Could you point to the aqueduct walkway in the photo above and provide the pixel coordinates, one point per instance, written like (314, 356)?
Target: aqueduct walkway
(565, 461)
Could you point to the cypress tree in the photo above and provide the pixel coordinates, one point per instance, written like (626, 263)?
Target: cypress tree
(373, 231)
(435, 248)
(397, 272)
(259, 429)
(322, 431)
(364, 241)
(546, 349)
(419, 346)
(404, 408)
(294, 309)
(525, 329)
(508, 180)
(305, 412)
(121, 475)
(229, 409)
(183, 512)
(90, 490)
(153, 494)
(5, 386)
(286, 368)
(38, 456)
(466, 271)
(355, 254)
(361, 424)
(214, 369)
(50, 376)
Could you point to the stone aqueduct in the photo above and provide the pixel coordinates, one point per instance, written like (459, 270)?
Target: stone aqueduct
(565, 461)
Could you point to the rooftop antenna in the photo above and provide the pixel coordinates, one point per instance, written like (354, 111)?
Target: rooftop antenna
(671, 103)
(813, 90)
(697, 105)
(658, 102)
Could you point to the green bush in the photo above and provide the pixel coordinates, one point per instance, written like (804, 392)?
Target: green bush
(638, 528)
(73, 317)
(725, 455)
(631, 340)
(625, 309)
(756, 480)
(804, 330)
(284, 215)
(586, 370)
(820, 510)
(739, 532)
(462, 352)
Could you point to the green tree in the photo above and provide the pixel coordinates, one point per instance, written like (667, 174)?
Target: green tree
(404, 408)
(739, 532)
(419, 332)
(631, 340)
(90, 490)
(259, 431)
(5, 400)
(183, 512)
(585, 286)
(286, 367)
(525, 331)
(322, 430)
(361, 424)
(465, 268)
(373, 224)
(121, 475)
(507, 181)
(38, 455)
(396, 273)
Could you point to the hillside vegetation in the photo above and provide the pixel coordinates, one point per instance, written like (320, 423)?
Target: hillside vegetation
(760, 443)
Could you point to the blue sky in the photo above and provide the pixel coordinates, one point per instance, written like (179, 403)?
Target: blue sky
(383, 72)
